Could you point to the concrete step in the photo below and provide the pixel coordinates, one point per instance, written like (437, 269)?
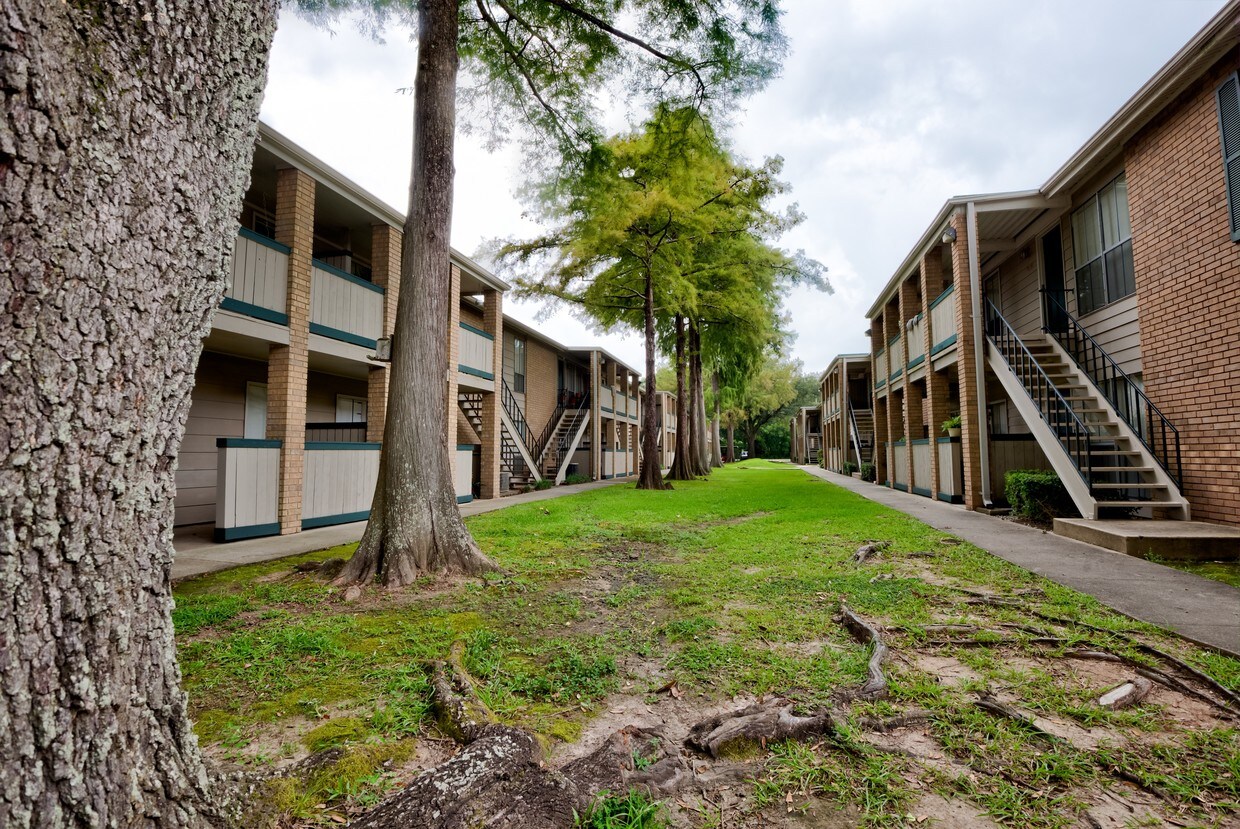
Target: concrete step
(1129, 486)
(1181, 540)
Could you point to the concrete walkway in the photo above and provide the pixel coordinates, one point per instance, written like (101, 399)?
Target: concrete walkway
(1201, 610)
(196, 553)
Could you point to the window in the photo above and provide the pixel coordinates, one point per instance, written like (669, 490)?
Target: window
(518, 365)
(1229, 128)
(350, 409)
(1102, 248)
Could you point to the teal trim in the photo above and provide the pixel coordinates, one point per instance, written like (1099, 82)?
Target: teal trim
(477, 331)
(917, 362)
(901, 487)
(943, 346)
(896, 374)
(348, 277)
(474, 372)
(223, 534)
(247, 443)
(947, 440)
(609, 411)
(464, 499)
(897, 443)
(951, 499)
(251, 310)
(465, 447)
(329, 520)
(263, 240)
(893, 341)
(950, 290)
(343, 336)
(321, 445)
(925, 493)
(920, 442)
(880, 384)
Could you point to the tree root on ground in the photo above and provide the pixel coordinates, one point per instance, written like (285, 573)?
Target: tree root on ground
(756, 726)
(866, 551)
(875, 686)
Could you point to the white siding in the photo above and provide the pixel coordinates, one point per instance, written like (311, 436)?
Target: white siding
(259, 275)
(249, 487)
(344, 305)
(338, 482)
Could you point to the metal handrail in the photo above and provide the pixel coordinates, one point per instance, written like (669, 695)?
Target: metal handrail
(524, 433)
(1074, 436)
(578, 415)
(544, 439)
(855, 433)
(1150, 425)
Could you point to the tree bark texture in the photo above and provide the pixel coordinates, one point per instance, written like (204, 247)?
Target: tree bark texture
(716, 454)
(125, 144)
(731, 442)
(415, 526)
(700, 456)
(681, 469)
(651, 473)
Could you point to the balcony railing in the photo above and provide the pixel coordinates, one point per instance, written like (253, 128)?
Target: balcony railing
(943, 321)
(880, 368)
(895, 350)
(917, 341)
(247, 486)
(477, 355)
(339, 482)
(345, 307)
(259, 284)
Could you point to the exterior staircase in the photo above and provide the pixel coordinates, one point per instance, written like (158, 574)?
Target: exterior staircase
(1107, 457)
(559, 448)
(861, 434)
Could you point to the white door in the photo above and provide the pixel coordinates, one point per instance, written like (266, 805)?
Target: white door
(255, 411)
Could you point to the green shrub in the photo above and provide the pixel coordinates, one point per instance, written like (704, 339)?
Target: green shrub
(577, 478)
(1037, 495)
(632, 811)
(849, 468)
(869, 472)
(543, 483)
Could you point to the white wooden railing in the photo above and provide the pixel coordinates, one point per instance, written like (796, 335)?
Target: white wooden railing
(943, 319)
(919, 451)
(247, 488)
(259, 284)
(339, 483)
(477, 355)
(917, 339)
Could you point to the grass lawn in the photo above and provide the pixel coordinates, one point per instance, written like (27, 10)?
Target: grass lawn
(728, 587)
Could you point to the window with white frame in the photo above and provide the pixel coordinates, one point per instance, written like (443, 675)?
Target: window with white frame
(1102, 248)
(518, 365)
(1228, 96)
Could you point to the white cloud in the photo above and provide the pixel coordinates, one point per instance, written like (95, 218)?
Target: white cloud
(885, 108)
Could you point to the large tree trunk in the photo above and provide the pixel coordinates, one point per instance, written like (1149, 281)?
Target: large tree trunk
(651, 475)
(125, 144)
(681, 469)
(716, 454)
(731, 442)
(701, 458)
(415, 526)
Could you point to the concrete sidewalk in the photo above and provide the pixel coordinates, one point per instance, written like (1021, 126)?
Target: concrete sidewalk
(1204, 611)
(196, 553)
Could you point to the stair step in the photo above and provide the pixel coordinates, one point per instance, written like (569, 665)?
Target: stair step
(1138, 504)
(1114, 452)
(1102, 469)
(1130, 486)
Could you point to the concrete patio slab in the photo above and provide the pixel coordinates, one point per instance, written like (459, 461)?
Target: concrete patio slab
(1179, 540)
(197, 554)
(1203, 611)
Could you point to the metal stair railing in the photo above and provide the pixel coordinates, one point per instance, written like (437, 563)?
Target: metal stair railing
(854, 433)
(1074, 436)
(509, 400)
(569, 429)
(1150, 425)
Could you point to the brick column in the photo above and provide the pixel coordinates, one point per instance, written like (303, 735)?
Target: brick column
(933, 284)
(972, 432)
(910, 306)
(493, 324)
(881, 435)
(454, 359)
(385, 271)
(287, 365)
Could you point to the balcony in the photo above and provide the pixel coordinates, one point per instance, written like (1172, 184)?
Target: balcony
(943, 321)
(259, 284)
(247, 488)
(345, 307)
(477, 352)
(917, 341)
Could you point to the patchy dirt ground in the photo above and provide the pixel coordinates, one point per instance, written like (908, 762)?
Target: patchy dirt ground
(616, 614)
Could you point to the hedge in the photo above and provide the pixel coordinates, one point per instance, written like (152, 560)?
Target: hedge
(1037, 495)
(869, 472)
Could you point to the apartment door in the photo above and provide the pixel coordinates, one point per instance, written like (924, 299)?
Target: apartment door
(255, 411)
(1055, 300)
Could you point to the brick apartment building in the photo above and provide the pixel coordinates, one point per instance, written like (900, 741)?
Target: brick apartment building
(847, 412)
(1090, 326)
(288, 405)
(805, 435)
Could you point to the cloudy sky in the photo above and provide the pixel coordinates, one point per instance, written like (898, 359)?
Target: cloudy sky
(885, 108)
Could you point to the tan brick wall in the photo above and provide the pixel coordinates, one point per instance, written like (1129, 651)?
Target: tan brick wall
(1188, 291)
(973, 428)
(287, 366)
(493, 324)
(541, 383)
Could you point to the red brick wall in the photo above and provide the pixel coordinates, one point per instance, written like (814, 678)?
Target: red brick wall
(1188, 291)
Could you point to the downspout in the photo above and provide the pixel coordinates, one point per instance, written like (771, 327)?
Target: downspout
(979, 359)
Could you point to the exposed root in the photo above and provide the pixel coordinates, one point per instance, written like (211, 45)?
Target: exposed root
(875, 686)
(995, 708)
(886, 724)
(461, 714)
(866, 551)
(1126, 695)
(756, 726)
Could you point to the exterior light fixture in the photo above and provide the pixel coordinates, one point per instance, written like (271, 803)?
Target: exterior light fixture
(949, 236)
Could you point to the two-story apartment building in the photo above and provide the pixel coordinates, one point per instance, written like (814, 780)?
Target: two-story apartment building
(805, 433)
(847, 412)
(1090, 326)
(665, 405)
(287, 414)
